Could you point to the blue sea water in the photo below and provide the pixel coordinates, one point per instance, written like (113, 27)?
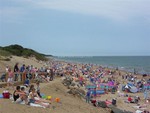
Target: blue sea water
(141, 64)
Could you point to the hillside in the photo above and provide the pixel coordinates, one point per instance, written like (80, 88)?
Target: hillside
(18, 50)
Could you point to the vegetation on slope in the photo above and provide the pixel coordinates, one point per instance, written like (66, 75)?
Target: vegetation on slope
(20, 51)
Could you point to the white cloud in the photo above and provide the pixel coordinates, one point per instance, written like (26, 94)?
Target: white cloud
(111, 9)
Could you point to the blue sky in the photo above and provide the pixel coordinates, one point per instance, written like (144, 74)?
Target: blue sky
(77, 27)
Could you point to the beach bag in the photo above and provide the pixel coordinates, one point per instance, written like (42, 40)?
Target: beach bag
(93, 102)
(114, 101)
(6, 94)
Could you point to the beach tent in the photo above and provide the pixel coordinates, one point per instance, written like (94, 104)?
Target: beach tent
(130, 84)
(131, 88)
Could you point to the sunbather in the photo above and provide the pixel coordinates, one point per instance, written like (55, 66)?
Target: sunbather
(34, 98)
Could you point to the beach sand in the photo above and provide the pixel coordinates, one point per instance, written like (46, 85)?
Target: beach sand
(68, 103)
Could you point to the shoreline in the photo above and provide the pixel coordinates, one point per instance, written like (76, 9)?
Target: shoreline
(138, 69)
(99, 65)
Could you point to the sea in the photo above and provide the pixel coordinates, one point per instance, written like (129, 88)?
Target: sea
(138, 64)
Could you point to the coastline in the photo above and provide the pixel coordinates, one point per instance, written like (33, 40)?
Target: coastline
(138, 64)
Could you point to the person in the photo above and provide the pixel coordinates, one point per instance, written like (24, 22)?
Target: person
(94, 93)
(16, 93)
(22, 69)
(23, 95)
(34, 98)
(130, 100)
(136, 99)
(10, 78)
(6, 69)
(31, 87)
(51, 74)
(88, 96)
(145, 95)
(3, 77)
(19, 95)
(38, 89)
(27, 82)
(16, 70)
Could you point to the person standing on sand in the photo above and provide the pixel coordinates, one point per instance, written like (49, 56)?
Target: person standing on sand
(94, 93)
(51, 74)
(146, 95)
(10, 78)
(88, 96)
(16, 70)
(22, 69)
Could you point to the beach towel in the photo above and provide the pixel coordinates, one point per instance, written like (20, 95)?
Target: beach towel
(139, 111)
(36, 105)
(108, 102)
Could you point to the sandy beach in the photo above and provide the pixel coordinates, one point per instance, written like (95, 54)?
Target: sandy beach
(68, 103)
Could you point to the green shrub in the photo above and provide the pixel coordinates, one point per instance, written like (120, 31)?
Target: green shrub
(4, 53)
(20, 51)
(7, 59)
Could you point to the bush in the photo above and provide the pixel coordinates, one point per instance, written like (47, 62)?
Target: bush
(20, 51)
(7, 59)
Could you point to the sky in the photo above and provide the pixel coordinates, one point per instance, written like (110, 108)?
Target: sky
(77, 27)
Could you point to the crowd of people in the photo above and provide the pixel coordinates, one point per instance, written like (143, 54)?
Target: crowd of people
(85, 74)
(25, 74)
(32, 95)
